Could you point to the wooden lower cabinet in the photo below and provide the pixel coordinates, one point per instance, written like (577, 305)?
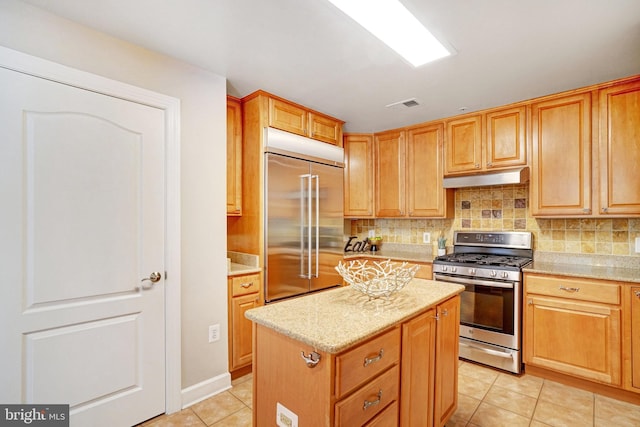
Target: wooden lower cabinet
(406, 375)
(243, 295)
(573, 326)
(635, 337)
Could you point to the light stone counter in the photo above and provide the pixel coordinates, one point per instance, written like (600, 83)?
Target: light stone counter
(336, 319)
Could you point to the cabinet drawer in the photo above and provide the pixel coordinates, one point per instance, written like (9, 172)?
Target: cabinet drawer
(578, 289)
(368, 401)
(367, 360)
(388, 417)
(243, 285)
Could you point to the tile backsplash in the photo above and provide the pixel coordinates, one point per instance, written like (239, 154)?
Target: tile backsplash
(507, 208)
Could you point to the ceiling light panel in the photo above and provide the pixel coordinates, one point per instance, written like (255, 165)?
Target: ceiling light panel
(392, 23)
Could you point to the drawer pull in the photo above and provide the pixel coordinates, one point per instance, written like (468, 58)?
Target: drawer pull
(246, 285)
(562, 288)
(637, 293)
(370, 360)
(368, 403)
(312, 359)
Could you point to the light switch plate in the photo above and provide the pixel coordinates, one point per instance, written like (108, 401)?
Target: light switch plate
(426, 237)
(638, 245)
(372, 233)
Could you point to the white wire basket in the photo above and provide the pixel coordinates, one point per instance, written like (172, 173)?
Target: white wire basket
(378, 278)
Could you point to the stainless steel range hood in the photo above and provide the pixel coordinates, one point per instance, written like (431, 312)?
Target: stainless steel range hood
(503, 177)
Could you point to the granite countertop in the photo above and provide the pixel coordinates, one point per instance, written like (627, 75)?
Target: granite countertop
(240, 269)
(404, 252)
(586, 271)
(589, 266)
(335, 320)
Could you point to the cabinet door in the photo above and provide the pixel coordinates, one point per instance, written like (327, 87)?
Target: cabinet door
(234, 157)
(287, 117)
(358, 175)
(446, 367)
(418, 370)
(325, 129)
(463, 145)
(505, 138)
(635, 337)
(241, 342)
(390, 177)
(425, 195)
(619, 149)
(572, 337)
(561, 156)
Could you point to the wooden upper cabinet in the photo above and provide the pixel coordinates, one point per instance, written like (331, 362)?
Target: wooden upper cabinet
(561, 156)
(426, 196)
(619, 149)
(296, 119)
(358, 175)
(389, 149)
(234, 157)
(506, 138)
(288, 117)
(463, 151)
(325, 129)
(482, 142)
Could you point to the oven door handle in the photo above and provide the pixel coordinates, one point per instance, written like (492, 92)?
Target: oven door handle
(463, 281)
(488, 351)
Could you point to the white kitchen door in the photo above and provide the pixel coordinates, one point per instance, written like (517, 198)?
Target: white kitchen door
(82, 222)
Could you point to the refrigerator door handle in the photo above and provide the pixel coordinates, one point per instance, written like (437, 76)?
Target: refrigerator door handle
(317, 248)
(305, 218)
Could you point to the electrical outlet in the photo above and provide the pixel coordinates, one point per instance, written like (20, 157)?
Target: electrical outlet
(372, 233)
(638, 245)
(426, 237)
(214, 332)
(284, 416)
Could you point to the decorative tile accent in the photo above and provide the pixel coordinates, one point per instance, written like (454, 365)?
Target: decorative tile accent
(506, 208)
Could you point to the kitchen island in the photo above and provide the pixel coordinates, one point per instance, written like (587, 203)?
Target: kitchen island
(337, 358)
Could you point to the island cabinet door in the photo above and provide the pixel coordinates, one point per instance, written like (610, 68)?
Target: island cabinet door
(635, 337)
(418, 364)
(284, 384)
(446, 369)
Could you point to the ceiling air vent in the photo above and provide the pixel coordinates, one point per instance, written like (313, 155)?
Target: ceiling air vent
(407, 103)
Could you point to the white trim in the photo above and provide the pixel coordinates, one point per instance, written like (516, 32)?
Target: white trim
(198, 392)
(21, 62)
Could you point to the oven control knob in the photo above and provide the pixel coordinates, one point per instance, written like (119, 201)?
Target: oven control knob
(444, 268)
(472, 271)
(505, 274)
(454, 269)
(493, 273)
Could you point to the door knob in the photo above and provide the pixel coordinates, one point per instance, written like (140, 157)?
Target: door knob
(153, 277)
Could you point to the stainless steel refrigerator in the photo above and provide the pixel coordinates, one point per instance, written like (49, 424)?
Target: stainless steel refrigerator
(303, 214)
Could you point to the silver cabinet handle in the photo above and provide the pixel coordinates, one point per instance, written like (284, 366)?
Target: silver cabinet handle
(312, 359)
(370, 360)
(368, 403)
(562, 288)
(637, 293)
(246, 285)
(153, 277)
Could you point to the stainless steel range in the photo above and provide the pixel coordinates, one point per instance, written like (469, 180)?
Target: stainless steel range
(489, 265)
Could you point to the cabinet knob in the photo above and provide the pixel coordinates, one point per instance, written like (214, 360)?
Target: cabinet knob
(605, 209)
(477, 165)
(489, 164)
(637, 293)
(586, 210)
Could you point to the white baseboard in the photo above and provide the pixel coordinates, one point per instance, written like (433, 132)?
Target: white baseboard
(198, 392)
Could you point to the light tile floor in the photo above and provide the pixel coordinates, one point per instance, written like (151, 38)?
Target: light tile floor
(486, 398)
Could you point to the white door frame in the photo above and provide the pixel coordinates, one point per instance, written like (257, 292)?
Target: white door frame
(21, 62)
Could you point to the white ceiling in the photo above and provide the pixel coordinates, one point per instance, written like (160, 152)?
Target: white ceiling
(307, 51)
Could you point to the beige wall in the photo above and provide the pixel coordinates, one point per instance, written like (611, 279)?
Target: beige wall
(507, 208)
(203, 143)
